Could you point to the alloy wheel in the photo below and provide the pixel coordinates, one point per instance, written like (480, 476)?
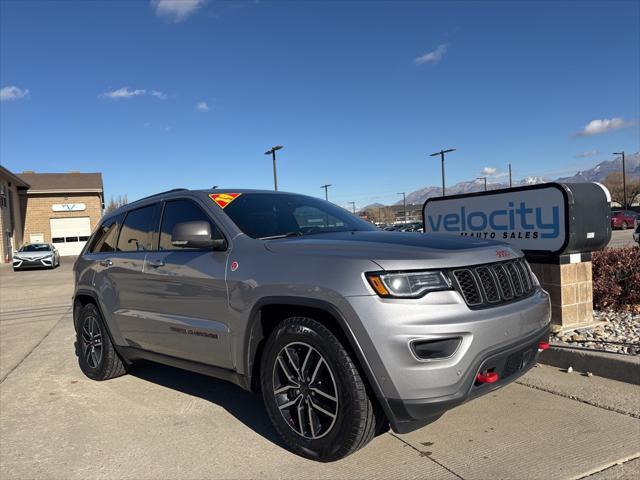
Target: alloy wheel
(92, 342)
(305, 390)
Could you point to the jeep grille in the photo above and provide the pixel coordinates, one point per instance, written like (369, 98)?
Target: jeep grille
(495, 283)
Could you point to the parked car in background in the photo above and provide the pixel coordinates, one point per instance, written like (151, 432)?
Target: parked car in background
(344, 329)
(34, 255)
(624, 219)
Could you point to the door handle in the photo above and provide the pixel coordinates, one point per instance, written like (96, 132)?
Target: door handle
(156, 263)
(106, 263)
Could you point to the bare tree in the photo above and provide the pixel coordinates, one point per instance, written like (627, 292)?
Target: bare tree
(614, 183)
(116, 203)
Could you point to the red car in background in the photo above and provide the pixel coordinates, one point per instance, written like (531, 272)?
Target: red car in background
(623, 219)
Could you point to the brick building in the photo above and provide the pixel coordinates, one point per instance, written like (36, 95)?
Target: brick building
(58, 208)
(11, 219)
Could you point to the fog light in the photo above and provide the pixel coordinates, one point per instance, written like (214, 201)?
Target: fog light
(436, 348)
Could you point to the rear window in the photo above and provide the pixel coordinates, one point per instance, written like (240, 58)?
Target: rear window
(138, 229)
(262, 215)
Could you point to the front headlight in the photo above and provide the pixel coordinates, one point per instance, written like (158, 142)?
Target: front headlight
(408, 284)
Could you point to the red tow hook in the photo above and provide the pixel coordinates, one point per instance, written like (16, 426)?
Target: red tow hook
(543, 346)
(489, 377)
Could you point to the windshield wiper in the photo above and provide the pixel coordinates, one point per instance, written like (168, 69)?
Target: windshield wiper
(288, 234)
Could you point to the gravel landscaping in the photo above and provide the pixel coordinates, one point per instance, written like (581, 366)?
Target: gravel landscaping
(619, 333)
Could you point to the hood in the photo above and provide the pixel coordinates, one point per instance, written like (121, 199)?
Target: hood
(33, 255)
(397, 250)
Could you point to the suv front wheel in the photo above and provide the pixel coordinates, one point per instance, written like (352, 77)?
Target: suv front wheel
(313, 392)
(97, 358)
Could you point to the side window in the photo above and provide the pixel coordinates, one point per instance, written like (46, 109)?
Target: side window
(105, 237)
(178, 211)
(137, 232)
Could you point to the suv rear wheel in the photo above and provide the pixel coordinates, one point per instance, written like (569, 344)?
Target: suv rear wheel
(313, 392)
(97, 358)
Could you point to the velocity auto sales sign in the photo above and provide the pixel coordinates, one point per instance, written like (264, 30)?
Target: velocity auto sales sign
(531, 218)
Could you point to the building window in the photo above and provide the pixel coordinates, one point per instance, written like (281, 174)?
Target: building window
(3, 196)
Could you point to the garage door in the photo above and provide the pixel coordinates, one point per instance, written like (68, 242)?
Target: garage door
(70, 234)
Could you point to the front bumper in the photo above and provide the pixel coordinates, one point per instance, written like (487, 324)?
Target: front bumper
(509, 363)
(418, 390)
(34, 263)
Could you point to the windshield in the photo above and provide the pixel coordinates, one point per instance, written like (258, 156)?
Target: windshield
(267, 215)
(36, 247)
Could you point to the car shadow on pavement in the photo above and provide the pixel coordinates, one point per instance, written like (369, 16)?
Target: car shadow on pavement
(245, 406)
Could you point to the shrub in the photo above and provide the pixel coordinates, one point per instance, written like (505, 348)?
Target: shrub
(616, 279)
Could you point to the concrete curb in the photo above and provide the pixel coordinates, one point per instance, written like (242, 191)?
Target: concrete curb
(624, 368)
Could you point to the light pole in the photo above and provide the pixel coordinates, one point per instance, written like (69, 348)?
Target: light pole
(485, 182)
(272, 151)
(353, 206)
(510, 182)
(624, 181)
(214, 187)
(404, 202)
(326, 190)
(441, 153)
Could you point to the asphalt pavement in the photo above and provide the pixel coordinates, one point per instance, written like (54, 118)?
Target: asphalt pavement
(160, 422)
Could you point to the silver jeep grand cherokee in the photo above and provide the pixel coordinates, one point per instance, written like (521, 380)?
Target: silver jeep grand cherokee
(345, 329)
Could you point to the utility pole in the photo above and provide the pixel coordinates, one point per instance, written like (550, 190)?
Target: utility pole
(441, 153)
(353, 205)
(326, 190)
(379, 214)
(272, 151)
(485, 182)
(404, 202)
(624, 181)
(510, 182)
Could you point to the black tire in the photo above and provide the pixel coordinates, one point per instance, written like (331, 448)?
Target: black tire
(357, 416)
(102, 362)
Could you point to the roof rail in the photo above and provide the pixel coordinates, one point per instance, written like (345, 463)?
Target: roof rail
(160, 193)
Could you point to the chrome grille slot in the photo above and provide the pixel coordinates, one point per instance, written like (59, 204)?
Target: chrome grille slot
(489, 285)
(503, 281)
(468, 286)
(515, 279)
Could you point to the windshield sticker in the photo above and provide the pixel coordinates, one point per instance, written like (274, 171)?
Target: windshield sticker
(223, 199)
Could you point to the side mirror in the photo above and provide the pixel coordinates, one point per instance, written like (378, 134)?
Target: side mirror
(195, 234)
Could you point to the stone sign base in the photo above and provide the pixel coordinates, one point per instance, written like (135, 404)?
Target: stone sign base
(568, 280)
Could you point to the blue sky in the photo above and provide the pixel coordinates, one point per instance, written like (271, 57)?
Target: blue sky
(164, 94)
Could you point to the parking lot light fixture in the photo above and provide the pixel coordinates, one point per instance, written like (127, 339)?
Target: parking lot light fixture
(326, 191)
(272, 151)
(441, 153)
(485, 182)
(404, 203)
(624, 181)
(353, 206)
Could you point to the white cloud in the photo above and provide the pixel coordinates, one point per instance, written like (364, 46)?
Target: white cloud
(176, 10)
(202, 107)
(596, 127)
(126, 92)
(588, 153)
(434, 56)
(123, 92)
(12, 92)
(488, 171)
(160, 95)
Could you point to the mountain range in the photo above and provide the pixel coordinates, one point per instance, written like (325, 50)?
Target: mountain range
(596, 174)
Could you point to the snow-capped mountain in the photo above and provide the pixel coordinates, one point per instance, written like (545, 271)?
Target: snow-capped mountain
(595, 174)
